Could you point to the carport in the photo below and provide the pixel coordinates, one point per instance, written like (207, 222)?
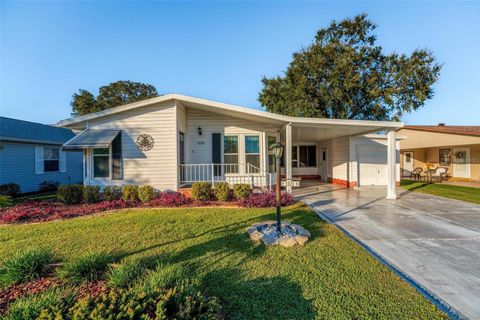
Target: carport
(335, 157)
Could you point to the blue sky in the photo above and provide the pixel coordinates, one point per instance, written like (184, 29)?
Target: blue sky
(215, 50)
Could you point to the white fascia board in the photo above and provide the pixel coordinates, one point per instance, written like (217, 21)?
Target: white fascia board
(229, 107)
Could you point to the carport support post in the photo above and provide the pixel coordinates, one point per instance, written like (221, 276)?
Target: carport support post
(288, 155)
(391, 164)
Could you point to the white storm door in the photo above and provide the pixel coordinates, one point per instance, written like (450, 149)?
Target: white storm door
(323, 165)
(461, 162)
(407, 163)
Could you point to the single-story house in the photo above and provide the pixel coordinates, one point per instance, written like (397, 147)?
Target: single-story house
(454, 147)
(173, 140)
(30, 153)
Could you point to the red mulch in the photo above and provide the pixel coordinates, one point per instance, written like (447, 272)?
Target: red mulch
(12, 293)
(16, 291)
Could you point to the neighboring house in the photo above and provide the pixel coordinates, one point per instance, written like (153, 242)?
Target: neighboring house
(454, 147)
(30, 153)
(173, 140)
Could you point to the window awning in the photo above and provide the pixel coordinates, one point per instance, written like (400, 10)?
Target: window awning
(92, 138)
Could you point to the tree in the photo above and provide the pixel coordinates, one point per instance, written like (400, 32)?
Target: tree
(344, 75)
(113, 95)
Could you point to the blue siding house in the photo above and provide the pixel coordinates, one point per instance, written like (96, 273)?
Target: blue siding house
(31, 153)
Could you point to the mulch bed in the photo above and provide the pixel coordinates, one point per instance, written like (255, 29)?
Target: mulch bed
(14, 292)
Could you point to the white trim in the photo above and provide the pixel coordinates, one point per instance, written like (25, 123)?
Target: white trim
(298, 121)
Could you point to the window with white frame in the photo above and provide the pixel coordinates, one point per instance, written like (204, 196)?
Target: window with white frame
(252, 153)
(308, 156)
(101, 162)
(271, 154)
(230, 154)
(51, 159)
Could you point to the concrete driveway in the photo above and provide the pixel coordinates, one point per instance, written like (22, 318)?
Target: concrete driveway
(432, 240)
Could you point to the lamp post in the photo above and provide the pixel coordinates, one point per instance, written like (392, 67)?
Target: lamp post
(277, 151)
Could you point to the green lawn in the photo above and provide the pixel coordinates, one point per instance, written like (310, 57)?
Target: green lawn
(331, 277)
(443, 190)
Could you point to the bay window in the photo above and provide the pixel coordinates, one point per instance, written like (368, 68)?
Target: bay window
(230, 154)
(271, 155)
(252, 152)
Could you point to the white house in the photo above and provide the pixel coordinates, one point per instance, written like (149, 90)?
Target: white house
(173, 140)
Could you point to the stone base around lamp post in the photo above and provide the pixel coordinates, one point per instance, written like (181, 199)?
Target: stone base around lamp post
(291, 235)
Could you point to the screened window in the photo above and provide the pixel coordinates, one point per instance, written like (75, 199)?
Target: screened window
(294, 156)
(444, 156)
(308, 156)
(271, 155)
(230, 154)
(51, 158)
(252, 152)
(101, 159)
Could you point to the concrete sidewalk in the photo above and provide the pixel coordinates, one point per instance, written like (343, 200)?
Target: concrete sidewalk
(435, 241)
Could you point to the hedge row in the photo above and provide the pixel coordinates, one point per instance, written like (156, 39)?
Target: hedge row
(77, 193)
(221, 191)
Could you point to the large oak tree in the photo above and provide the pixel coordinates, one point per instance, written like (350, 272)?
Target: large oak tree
(344, 74)
(112, 95)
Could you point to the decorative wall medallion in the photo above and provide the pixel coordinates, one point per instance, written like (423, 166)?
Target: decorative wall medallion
(145, 142)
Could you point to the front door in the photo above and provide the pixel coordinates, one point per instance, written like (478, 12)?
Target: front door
(407, 163)
(217, 153)
(461, 162)
(323, 165)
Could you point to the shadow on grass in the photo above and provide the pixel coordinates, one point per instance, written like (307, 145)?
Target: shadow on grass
(259, 298)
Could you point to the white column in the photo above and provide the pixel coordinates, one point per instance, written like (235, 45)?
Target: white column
(288, 154)
(391, 164)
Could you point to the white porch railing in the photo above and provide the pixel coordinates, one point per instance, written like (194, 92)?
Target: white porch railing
(225, 172)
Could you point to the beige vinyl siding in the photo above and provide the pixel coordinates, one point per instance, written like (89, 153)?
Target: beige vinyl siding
(199, 147)
(156, 167)
(422, 156)
(424, 139)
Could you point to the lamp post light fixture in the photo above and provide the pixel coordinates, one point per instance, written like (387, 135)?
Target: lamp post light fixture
(277, 151)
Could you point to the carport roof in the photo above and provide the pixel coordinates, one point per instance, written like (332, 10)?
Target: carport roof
(352, 126)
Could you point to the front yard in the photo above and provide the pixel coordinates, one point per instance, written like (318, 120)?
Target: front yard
(443, 190)
(330, 277)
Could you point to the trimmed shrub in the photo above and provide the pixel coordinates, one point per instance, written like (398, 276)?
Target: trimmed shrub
(130, 193)
(91, 267)
(5, 201)
(125, 274)
(24, 266)
(183, 302)
(49, 186)
(201, 191)
(10, 189)
(111, 193)
(91, 194)
(70, 193)
(164, 276)
(146, 193)
(169, 199)
(222, 191)
(43, 305)
(266, 199)
(241, 190)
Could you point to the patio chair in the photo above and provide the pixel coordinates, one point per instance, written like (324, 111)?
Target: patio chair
(440, 174)
(416, 173)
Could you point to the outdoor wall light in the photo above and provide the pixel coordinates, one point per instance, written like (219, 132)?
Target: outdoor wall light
(199, 131)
